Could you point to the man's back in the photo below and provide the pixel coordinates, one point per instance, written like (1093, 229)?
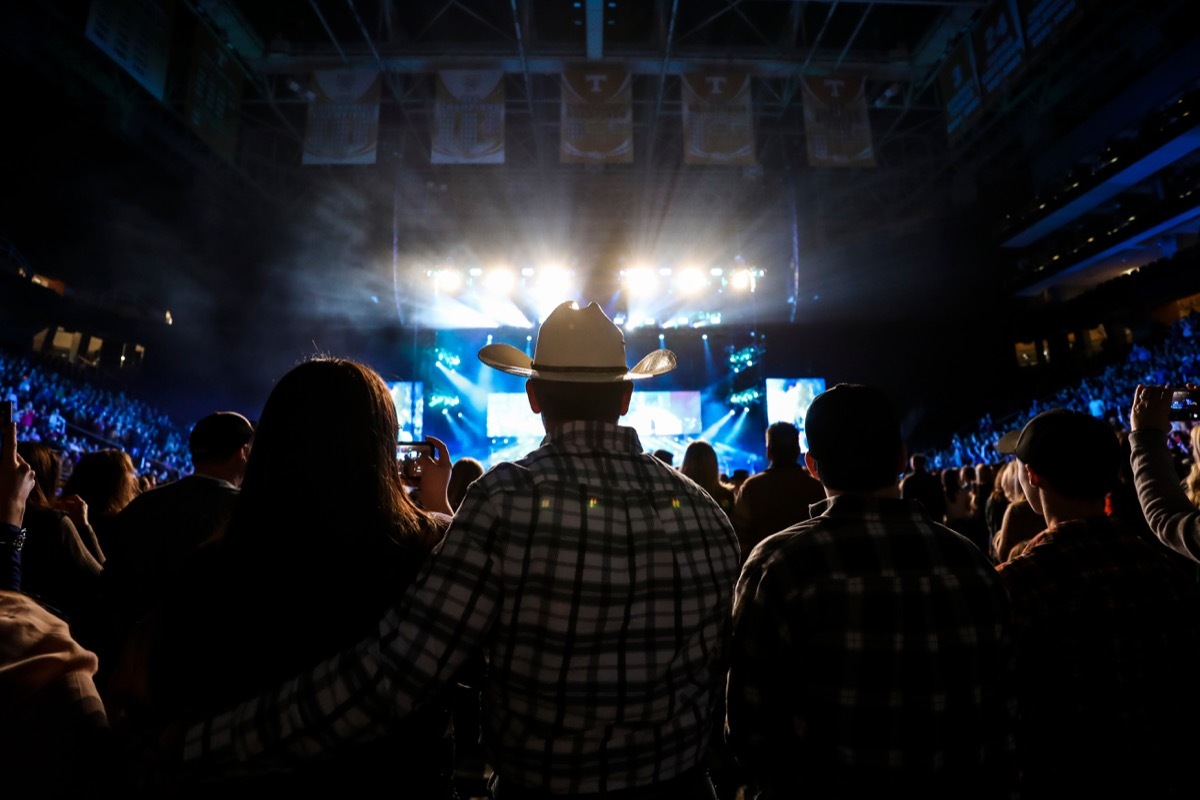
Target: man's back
(157, 532)
(615, 579)
(871, 653)
(773, 500)
(1108, 627)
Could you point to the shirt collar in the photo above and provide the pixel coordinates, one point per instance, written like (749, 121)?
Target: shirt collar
(858, 505)
(588, 436)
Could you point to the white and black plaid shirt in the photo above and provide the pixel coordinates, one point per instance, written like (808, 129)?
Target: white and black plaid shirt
(598, 583)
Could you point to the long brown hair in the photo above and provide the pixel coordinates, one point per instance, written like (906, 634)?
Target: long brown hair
(324, 461)
(106, 481)
(47, 472)
(1191, 484)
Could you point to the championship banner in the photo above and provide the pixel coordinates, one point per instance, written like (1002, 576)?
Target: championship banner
(960, 90)
(837, 128)
(468, 117)
(718, 123)
(214, 95)
(343, 118)
(135, 34)
(596, 117)
(999, 48)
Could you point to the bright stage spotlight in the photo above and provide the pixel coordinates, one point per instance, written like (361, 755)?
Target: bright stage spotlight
(447, 281)
(500, 281)
(552, 286)
(640, 281)
(691, 281)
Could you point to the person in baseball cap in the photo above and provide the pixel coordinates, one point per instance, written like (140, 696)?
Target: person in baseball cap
(1078, 454)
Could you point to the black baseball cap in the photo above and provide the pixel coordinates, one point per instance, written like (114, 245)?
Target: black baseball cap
(1077, 453)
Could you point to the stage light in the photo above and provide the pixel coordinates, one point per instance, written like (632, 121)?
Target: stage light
(447, 280)
(640, 281)
(446, 358)
(746, 278)
(489, 338)
(705, 337)
(443, 401)
(500, 281)
(691, 281)
(716, 272)
(552, 287)
(661, 338)
(474, 272)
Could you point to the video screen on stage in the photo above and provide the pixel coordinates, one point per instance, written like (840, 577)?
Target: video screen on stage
(650, 413)
(508, 414)
(788, 400)
(409, 397)
(664, 413)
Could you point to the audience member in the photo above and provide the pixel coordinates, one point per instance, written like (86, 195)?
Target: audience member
(1191, 483)
(701, 465)
(465, 471)
(596, 579)
(871, 645)
(923, 486)
(101, 484)
(54, 735)
(1172, 516)
(997, 503)
(59, 568)
(305, 568)
(1106, 626)
(780, 495)
(153, 535)
(665, 456)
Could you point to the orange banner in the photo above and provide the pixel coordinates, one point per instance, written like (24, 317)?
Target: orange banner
(836, 126)
(343, 119)
(718, 123)
(468, 117)
(596, 117)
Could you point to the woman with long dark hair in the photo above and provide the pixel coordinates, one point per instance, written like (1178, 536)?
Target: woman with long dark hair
(61, 564)
(701, 465)
(323, 539)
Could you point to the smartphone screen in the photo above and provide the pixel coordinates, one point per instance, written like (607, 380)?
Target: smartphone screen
(409, 455)
(6, 412)
(1185, 405)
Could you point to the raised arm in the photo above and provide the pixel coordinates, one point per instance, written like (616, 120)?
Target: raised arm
(1170, 514)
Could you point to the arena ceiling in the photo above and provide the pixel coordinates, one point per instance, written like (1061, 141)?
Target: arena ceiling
(923, 180)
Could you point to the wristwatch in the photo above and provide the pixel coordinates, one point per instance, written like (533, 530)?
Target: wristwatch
(13, 538)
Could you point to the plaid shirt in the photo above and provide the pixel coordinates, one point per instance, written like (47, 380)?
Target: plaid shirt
(872, 653)
(597, 581)
(1107, 629)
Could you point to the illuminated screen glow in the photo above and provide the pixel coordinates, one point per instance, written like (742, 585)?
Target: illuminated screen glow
(788, 400)
(409, 397)
(650, 413)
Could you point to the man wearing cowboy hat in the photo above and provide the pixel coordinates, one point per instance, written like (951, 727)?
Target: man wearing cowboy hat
(596, 581)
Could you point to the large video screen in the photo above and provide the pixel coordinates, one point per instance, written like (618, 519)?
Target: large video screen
(664, 413)
(508, 414)
(788, 400)
(409, 397)
(650, 413)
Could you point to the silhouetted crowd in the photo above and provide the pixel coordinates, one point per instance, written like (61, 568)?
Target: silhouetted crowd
(306, 612)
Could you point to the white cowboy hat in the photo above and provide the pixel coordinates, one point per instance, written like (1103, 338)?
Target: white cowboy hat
(577, 345)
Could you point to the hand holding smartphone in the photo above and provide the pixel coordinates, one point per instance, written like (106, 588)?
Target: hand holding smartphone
(409, 455)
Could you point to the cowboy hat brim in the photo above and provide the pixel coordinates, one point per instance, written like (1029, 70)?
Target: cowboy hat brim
(507, 358)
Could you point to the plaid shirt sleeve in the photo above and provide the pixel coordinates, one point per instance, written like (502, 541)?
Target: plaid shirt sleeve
(759, 712)
(353, 696)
